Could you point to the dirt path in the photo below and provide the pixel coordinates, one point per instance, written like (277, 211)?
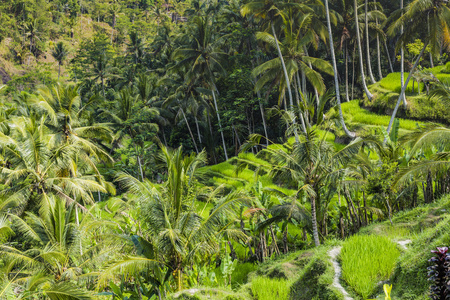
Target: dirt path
(333, 253)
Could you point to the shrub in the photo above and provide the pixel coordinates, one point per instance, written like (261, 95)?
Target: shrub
(366, 260)
(439, 273)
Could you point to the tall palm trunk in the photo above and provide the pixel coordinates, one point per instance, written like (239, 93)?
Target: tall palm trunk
(369, 64)
(288, 84)
(220, 123)
(190, 131)
(402, 61)
(314, 218)
(388, 56)
(380, 74)
(347, 97)
(358, 37)
(198, 130)
(402, 92)
(261, 108)
(336, 81)
(59, 69)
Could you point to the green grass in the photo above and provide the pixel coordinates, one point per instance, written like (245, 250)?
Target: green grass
(392, 82)
(366, 260)
(264, 288)
(355, 114)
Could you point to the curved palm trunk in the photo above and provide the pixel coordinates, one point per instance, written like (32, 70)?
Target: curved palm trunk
(347, 97)
(402, 93)
(190, 131)
(358, 37)
(369, 64)
(336, 81)
(220, 124)
(380, 74)
(288, 84)
(402, 62)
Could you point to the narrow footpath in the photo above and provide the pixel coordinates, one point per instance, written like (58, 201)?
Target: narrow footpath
(334, 253)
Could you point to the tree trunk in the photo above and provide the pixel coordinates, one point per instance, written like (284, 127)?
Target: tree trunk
(388, 56)
(358, 37)
(402, 92)
(288, 84)
(336, 81)
(220, 124)
(59, 69)
(369, 64)
(198, 130)
(190, 131)
(353, 72)
(314, 218)
(103, 86)
(285, 240)
(365, 209)
(341, 219)
(380, 74)
(402, 62)
(347, 96)
(261, 108)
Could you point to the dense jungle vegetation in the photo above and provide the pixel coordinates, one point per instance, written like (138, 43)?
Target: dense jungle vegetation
(212, 149)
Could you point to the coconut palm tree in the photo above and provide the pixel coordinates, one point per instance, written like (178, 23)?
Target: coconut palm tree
(421, 141)
(307, 166)
(35, 171)
(436, 14)
(124, 120)
(361, 64)
(269, 10)
(62, 104)
(178, 233)
(336, 81)
(200, 58)
(59, 52)
(56, 254)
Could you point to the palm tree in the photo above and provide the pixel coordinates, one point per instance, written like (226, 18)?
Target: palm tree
(361, 64)
(56, 254)
(200, 59)
(114, 9)
(336, 81)
(59, 52)
(366, 23)
(124, 120)
(308, 166)
(421, 141)
(419, 12)
(102, 69)
(62, 105)
(178, 233)
(35, 170)
(269, 9)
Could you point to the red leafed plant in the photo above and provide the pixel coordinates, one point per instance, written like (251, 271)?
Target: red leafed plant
(439, 273)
